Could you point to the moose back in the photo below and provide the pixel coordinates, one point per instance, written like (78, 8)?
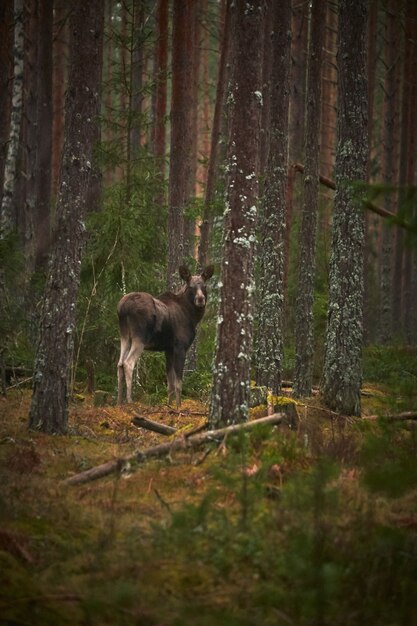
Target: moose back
(165, 324)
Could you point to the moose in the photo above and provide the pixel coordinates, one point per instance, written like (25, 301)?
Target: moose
(164, 324)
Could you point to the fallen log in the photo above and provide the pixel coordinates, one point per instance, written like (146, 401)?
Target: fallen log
(181, 443)
(156, 427)
(406, 415)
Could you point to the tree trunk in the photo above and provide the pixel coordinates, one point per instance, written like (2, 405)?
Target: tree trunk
(343, 350)
(230, 394)
(298, 78)
(58, 86)
(329, 94)
(7, 217)
(6, 63)
(44, 133)
(390, 165)
(213, 164)
(49, 409)
(269, 338)
(410, 257)
(304, 327)
(181, 161)
(160, 79)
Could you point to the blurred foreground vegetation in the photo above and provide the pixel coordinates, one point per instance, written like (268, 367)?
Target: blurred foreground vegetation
(316, 525)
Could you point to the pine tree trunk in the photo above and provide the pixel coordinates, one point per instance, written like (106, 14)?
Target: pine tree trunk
(410, 257)
(7, 217)
(44, 133)
(343, 350)
(298, 78)
(213, 165)
(230, 394)
(6, 63)
(49, 409)
(390, 165)
(304, 328)
(160, 79)
(59, 51)
(181, 161)
(269, 337)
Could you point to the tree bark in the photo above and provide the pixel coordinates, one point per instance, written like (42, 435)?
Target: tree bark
(7, 216)
(304, 351)
(161, 66)
(216, 131)
(231, 384)
(298, 78)
(181, 161)
(49, 408)
(390, 165)
(272, 228)
(342, 373)
(6, 63)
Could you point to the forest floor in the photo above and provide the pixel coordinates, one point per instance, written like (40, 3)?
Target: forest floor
(315, 524)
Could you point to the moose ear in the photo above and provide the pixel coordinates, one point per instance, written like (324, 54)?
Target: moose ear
(184, 273)
(207, 272)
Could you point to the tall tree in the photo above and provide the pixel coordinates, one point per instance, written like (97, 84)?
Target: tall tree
(230, 394)
(304, 351)
(269, 336)
(213, 164)
(342, 373)
(6, 62)
(298, 77)
(389, 162)
(7, 217)
(160, 79)
(49, 408)
(181, 179)
(44, 132)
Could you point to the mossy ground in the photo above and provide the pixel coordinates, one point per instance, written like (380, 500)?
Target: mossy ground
(279, 527)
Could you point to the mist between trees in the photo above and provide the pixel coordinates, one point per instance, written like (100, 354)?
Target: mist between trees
(139, 135)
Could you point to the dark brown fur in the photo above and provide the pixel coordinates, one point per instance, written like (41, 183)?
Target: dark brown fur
(165, 324)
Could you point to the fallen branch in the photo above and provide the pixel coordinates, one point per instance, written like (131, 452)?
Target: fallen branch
(181, 443)
(406, 415)
(156, 427)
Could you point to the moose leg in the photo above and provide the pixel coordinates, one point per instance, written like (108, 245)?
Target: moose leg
(135, 351)
(124, 351)
(169, 357)
(179, 360)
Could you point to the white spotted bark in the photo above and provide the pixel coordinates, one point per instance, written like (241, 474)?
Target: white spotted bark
(49, 409)
(342, 373)
(272, 227)
(7, 217)
(231, 382)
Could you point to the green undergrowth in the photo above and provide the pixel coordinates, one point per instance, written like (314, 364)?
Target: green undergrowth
(313, 525)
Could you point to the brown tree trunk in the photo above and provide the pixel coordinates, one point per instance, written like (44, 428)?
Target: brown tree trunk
(216, 131)
(8, 221)
(49, 408)
(298, 78)
(60, 59)
(329, 94)
(6, 63)
(273, 219)
(181, 161)
(304, 339)
(44, 134)
(160, 79)
(410, 256)
(230, 394)
(390, 163)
